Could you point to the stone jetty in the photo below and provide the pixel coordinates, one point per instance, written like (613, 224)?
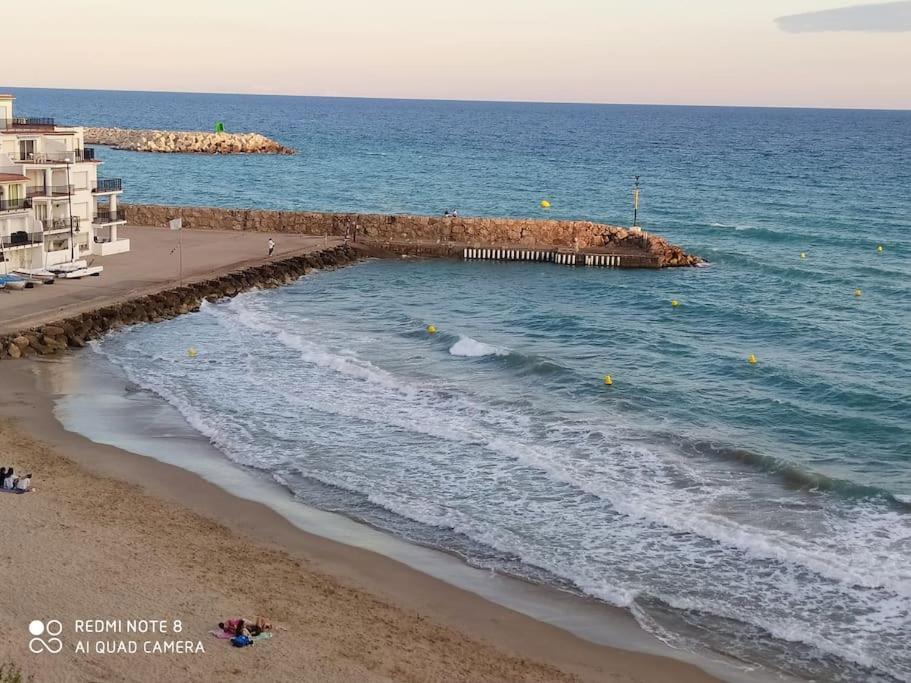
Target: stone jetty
(431, 235)
(75, 331)
(191, 142)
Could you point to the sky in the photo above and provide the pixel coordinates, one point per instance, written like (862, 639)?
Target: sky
(804, 53)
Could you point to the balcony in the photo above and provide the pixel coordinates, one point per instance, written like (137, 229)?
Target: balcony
(21, 239)
(50, 191)
(71, 156)
(15, 204)
(108, 216)
(108, 185)
(61, 224)
(34, 122)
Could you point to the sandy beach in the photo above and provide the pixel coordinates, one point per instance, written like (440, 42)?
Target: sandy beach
(150, 266)
(112, 535)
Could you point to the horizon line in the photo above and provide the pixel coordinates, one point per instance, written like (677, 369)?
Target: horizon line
(466, 100)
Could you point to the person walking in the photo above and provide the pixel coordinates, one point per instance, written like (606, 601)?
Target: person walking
(271, 245)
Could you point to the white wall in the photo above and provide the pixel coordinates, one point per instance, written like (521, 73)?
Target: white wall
(13, 222)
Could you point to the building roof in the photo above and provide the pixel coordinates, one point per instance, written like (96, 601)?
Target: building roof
(37, 131)
(12, 178)
(6, 96)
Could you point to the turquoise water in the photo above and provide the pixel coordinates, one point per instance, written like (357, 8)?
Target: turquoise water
(757, 511)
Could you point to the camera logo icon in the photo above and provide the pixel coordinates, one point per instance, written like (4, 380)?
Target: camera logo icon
(51, 643)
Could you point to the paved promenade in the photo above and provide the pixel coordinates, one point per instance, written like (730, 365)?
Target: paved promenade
(148, 267)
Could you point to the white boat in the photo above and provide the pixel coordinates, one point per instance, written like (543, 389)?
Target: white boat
(68, 267)
(39, 276)
(82, 272)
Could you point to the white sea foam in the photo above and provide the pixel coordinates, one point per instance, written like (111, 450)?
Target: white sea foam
(618, 518)
(472, 348)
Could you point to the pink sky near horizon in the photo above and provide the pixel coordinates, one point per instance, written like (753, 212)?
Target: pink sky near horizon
(652, 51)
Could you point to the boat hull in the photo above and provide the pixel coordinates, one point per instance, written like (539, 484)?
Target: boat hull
(37, 275)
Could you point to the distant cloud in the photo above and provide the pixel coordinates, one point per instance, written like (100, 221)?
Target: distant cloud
(892, 17)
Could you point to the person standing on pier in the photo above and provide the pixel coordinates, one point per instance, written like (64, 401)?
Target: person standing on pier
(271, 245)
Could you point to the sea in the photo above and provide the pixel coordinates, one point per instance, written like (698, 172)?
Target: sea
(756, 512)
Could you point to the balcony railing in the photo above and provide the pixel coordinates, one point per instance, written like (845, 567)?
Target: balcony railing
(109, 216)
(26, 122)
(50, 191)
(71, 156)
(51, 224)
(108, 185)
(18, 239)
(15, 204)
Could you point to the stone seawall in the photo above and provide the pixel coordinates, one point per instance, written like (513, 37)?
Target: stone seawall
(75, 331)
(397, 232)
(193, 142)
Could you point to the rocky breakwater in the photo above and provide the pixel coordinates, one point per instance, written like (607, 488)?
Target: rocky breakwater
(58, 336)
(191, 142)
(428, 234)
(625, 241)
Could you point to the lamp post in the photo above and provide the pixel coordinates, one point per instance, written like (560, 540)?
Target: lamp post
(636, 203)
(69, 202)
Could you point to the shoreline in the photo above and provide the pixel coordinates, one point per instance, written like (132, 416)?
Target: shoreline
(396, 585)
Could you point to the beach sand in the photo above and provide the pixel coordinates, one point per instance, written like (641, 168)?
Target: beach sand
(112, 535)
(150, 266)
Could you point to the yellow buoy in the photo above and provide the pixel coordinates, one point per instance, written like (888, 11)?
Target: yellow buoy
(879, 248)
(545, 204)
(192, 352)
(675, 303)
(431, 329)
(751, 359)
(608, 380)
(857, 292)
(803, 254)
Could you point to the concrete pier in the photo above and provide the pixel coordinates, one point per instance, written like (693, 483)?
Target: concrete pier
(566, 241)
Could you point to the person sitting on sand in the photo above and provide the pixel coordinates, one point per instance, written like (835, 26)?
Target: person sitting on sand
(236, 627)
(24, 483)
(2, 477)
(260, 626)
(229, 626)
(9, 482)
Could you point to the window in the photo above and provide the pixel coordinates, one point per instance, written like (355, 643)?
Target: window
(26, 149)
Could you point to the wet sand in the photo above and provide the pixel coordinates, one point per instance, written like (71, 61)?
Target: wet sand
(150, 266)
(110, 535)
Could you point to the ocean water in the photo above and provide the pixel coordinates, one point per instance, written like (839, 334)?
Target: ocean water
(762, 512)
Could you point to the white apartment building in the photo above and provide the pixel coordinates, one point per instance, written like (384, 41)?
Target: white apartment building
(53, 206)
